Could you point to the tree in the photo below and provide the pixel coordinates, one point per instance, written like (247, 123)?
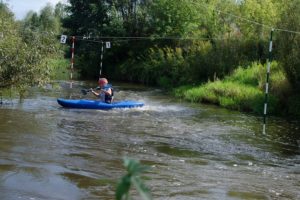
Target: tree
(86, 17)
(289, 43)
(48, 20)
(263, 12)
(132, 14)
(31, 21)
(22, 61)
(177, 18)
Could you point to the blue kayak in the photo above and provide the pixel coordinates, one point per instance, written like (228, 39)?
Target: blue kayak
(94, 104)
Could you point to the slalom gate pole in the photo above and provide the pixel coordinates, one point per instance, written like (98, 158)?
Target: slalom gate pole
(72, 60)
(101, 58)
(267, 80)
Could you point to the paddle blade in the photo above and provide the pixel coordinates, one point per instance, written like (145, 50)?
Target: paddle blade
(84, 91)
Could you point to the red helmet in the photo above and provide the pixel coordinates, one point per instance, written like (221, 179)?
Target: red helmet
(102, 81)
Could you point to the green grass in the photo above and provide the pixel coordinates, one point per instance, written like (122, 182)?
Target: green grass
(60, 69)
(227, 94)
(253, 75)
(243, 90)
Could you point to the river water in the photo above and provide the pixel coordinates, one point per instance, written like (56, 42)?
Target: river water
(194, 151)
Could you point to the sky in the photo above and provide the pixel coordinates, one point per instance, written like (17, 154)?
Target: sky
(21, 7)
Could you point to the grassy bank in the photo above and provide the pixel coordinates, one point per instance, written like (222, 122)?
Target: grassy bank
(244, 90)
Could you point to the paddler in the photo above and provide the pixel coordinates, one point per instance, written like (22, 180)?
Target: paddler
(106, 93)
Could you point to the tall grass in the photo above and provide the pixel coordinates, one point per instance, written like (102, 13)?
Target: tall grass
(59, 69)
(243, 90)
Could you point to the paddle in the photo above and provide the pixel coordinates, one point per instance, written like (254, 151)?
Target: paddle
(85, 91)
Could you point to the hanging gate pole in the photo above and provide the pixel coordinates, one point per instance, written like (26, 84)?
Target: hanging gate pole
(101, 58)
(72, 60)
(267, 80)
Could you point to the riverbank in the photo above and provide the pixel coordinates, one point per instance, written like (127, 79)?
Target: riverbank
(244, 90)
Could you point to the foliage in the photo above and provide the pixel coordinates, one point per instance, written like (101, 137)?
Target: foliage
(170, 43)
(243, 90)
(131, 16)
(253, 75)
(289, 43)
(293, 106)
(172, 18)
(162, 67)
(134, 170)
(263, 12)
(221, 41)
(229, 95)
(24, 47)
(48, 21)
(86, 17)
(59, 68)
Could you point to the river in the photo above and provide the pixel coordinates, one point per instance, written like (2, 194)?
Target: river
(193, 151)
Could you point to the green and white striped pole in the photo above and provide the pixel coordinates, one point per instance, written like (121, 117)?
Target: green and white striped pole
(267, 80)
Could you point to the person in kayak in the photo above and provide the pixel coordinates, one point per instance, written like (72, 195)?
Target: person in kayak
(106, 93)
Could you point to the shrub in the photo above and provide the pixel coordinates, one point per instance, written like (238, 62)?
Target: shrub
(242, 91)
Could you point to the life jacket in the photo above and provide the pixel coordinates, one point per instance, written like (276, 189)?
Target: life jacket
(108, 98)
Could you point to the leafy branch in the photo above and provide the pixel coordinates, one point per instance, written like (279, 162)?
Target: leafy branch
(132, 178)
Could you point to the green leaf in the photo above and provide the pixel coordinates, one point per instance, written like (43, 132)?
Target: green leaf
(134, 169)
(141, 188)
(123, 187)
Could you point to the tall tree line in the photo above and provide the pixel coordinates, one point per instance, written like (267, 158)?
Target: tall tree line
(189, 41)
(171, 42)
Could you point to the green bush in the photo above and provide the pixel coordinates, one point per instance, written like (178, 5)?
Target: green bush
(60, 69)
(251, 75)
(241, 91)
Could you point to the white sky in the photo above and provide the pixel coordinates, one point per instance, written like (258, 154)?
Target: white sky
(21, 7)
